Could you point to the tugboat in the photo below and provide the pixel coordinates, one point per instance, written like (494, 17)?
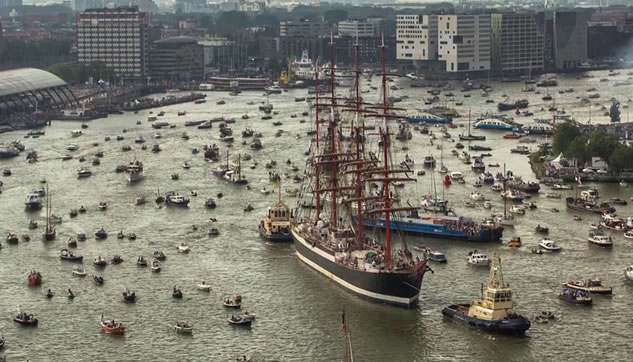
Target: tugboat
(277, 223)
(494, 312)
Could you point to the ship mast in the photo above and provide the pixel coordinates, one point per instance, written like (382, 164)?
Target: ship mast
(331, 130)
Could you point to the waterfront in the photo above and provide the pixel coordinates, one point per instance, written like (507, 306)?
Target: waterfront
(298, 311)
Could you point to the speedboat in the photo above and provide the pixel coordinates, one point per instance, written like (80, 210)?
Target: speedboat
(549, 245)
(186, 165)
(183, 248)
(79, 272)
(84, 172)
(102, 205)
(435, 256)
(541, 229)
(590, 286)
(477, 258)
(159, 255)
(515, 242)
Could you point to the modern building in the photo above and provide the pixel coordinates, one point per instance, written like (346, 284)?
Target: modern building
(223, 56)
(31, 88)
(416, 37)
(567, 32)
(118, 37)
(303, 28)
(10, 3)
(464, 42)
(371, 27)
(517, 43)
(177, 59)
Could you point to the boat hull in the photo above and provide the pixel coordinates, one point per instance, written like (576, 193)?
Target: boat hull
(400, 289)
(278, 237)
(514, 326)
(134, 177)
(438, 231)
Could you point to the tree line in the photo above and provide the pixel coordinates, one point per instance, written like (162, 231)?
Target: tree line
(574, 144)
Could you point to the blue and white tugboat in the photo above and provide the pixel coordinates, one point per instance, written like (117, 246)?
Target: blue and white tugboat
(494, 311)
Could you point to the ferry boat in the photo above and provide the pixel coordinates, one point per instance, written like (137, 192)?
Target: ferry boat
(494, 311)
(429, 118)
(443, 226)
(277, 223)
(134, 171)
(492, 123)
(228, 83)
(324, 237)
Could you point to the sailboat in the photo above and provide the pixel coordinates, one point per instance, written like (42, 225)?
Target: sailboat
(508, 220)
(442, 168)
(49, 233)
(471, 137)
(231, 175)
(329, 238)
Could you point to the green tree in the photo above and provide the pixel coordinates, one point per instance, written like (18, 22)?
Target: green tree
(63, 71)
(622, 158)
(334, 16)
(578, 149)
(565, 134)
(231, 22)
(601, 145)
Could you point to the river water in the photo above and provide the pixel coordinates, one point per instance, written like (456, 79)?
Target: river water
(298, 310)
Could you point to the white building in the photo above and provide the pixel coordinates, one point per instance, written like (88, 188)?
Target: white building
(361, 28)
(464, 42)
(416, 37)
(118, 37)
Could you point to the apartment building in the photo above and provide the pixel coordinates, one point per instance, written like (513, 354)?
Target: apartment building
(118, 37)
(416, 37)
(303, 28)
(517, 43)
(464, 42)
(365, 28)
(176, 59)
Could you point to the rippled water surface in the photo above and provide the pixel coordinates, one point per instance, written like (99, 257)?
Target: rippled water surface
(298, 310)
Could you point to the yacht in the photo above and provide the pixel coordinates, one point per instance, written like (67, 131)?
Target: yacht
(549, 245)
(478, 258)
(134, 171)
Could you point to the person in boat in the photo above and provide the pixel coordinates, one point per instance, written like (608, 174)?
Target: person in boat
(49, 293)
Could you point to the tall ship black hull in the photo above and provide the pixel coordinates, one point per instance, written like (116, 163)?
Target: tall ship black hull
(396, 288)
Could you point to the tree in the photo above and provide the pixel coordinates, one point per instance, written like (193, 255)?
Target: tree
(334, 16)
(622, 158)
(231, 21)
(578, 149)
(565, 133)
(614, 112)
(601, 145)
(63, 71)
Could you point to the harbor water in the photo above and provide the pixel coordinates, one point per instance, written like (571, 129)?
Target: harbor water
(298, 310)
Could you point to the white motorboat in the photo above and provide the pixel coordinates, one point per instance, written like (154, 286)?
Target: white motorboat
(140, 200)
(476, 196)
(477, 258)
(456, 175)
(183, 248)
(134, 171)
(79, 272)
(204, 286)
(517, 209)
(72, 147)
(623, 184)
(552, 195)
(628, 272)
(590, 194)
(598, 237)
(549, 245)
(512, 195)
(155, 266)
(55, 219)
(76, 133)
(497, 187)
(629, 234)
(186, 165)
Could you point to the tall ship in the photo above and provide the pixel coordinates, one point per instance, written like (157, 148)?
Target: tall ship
(494, 311)
(134, 171)
(326, 237)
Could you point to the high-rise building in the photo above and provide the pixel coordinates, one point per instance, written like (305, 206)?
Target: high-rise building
(416, 37)
(464, 42)
(118, 37)
(10, 3)
(176, 59)
(517, 43)
(303, 28)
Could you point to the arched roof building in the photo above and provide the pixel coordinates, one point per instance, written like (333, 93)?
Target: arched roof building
(29, 88)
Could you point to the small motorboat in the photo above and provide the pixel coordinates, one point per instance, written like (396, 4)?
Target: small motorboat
(155, 266)
(214, 232)
(25, 319)
(81, 236)
(12, 238)
(176, 293)
(210, 203)
(116, 259)
(112, 327)
(435, 256)
(82, 209)
(235, 302)
(618, 201)
(515, 242)
(240, 321)
(183, 327)
(541, 229)
(49, 294)
(628, 272)
(99, 261)
(78, 272)
(577, 218)
(120, 235)
(70, 294)
(141, 261)
(140, 200)
(517, 209)
(248, 208)
(629, 234)
(101, 234)
(549, 245)
(575, 296)
(131, 236)
(73, 212)
(590, 286)
(129, 296)
(477, 258)
(186, 165)
(32, 224)
(183, 248)
(66, 255)
(98, 280)
(159, 255)
(597, 237)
